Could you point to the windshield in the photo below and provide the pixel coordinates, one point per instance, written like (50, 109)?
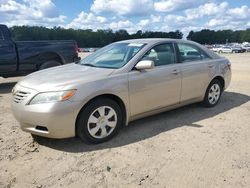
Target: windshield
(113, 56)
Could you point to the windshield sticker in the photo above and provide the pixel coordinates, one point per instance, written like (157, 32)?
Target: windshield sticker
(135, 44)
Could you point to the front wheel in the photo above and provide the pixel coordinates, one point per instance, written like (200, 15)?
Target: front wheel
(99, 121)
(213, 93)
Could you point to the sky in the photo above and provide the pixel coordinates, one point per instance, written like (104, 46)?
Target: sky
(132, 15)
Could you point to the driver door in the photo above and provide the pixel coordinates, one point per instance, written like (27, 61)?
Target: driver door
(158, 87)
(8, 59)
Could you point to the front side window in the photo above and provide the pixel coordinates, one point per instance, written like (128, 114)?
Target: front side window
(189, 53)
(113, 56)
(162, 54)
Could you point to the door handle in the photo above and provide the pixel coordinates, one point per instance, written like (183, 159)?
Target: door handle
(211, 66)
(175, 72)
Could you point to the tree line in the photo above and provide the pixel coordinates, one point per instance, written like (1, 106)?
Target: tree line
(99, 38)
(207, 36)
(84, 38)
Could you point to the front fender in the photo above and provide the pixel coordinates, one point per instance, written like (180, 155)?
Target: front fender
(116, 85)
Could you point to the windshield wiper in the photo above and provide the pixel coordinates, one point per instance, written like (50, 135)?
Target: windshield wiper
(88, 64)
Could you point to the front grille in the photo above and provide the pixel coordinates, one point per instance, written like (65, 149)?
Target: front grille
(19, 96)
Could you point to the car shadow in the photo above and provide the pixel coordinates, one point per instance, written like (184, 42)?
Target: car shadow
(152, 126)
(6, 87)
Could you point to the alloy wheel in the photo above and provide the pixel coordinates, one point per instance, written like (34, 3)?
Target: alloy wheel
(214, 93)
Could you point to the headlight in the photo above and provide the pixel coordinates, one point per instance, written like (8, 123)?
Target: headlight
(48, 97)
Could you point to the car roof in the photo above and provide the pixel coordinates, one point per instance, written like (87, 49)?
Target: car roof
(151, 40)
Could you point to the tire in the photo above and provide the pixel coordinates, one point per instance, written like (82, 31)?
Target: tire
(220, 52)
(213, 93)
(49, 64)
(39, 139)
(93, 128)
(35, 137)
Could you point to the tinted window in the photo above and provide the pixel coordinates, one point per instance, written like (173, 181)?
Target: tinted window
(161, 55)
(189, 53)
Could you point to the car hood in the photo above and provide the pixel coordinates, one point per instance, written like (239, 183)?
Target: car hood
(63, 77)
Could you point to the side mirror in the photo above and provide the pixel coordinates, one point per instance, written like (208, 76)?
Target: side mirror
(144, 64)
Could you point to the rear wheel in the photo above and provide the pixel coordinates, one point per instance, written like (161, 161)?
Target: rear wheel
(49, 64)
(99, 121)
(213, 93)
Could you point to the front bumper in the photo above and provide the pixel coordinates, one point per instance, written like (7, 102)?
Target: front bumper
(52, 120)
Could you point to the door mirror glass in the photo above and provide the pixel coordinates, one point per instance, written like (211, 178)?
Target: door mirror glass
(144, 64)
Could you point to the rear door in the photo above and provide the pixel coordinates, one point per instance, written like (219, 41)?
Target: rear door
(158, 87)
(8, 60)
(197, 68)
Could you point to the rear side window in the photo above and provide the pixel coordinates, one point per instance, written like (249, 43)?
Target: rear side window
(190, 53)
(162, 54)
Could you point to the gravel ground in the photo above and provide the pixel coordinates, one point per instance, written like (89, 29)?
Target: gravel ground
(189, 147)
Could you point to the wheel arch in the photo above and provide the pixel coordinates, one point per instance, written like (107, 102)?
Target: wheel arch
(218, 77)
(114, 97)
(48, 56)
(221, 79)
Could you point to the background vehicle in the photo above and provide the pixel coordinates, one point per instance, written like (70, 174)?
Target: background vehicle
(246, 47)
(82, 50)
(230, 49)
(119, 83)
(209, 46)
(216, 48)
(24, 57)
